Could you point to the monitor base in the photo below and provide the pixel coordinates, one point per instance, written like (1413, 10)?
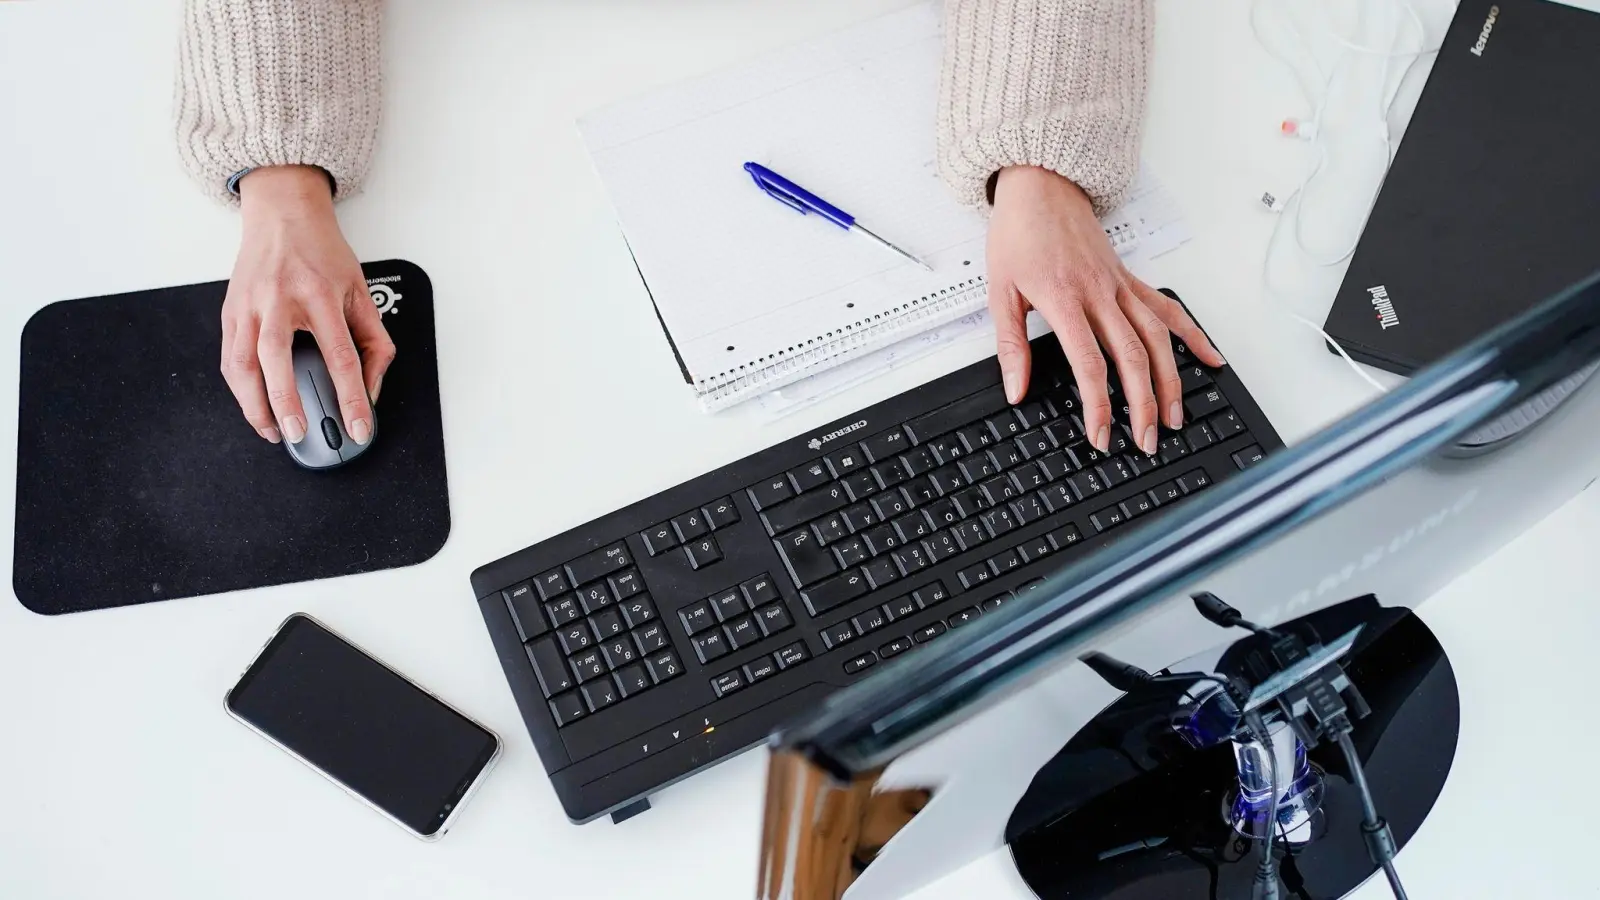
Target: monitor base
(1128, 812)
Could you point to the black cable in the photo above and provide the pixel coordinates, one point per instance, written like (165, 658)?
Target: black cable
(1380, 840)
(1265, 886)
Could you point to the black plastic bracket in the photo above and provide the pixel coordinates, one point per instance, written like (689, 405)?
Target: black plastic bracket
(631, 810)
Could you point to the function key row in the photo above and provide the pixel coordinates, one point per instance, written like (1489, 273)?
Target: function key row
(860, 626)
(1132, 508)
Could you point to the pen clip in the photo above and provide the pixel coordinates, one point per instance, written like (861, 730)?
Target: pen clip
(793, 195)
(758, 175)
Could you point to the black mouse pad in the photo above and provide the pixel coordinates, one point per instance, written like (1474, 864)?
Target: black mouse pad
(139, 480)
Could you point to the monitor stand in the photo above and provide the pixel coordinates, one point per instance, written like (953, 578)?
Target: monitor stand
(1130, 811)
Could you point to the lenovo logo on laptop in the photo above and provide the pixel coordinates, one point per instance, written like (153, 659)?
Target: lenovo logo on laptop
(1483, 36)
(1387, 317)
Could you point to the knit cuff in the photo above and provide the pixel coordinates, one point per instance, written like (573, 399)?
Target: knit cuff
(278, 82)
(1058, 84)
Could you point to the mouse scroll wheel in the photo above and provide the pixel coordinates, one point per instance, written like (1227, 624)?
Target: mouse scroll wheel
(330, 430)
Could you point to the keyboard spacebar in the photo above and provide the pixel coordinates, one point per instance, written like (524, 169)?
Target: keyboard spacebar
(962, 412)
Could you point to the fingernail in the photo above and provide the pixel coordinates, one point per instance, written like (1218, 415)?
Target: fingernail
(1148, 445)
(361, 431)
(377, 385)
(294, 428)
(1013, 383)
(1102, 439)
(270, 435)
(1175, 415)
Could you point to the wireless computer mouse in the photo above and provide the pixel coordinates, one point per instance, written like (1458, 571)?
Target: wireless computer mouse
(326, 444)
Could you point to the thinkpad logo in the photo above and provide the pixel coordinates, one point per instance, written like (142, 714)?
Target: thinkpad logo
(1387, 317)
(817, 442)
(1483, 36)
(384, 296)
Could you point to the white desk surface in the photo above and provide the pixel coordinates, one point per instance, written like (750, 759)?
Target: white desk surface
(123, 778)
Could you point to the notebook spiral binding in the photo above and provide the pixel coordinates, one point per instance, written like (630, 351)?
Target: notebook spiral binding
(840, 345)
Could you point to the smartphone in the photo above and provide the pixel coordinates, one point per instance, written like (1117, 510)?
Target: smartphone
(372, 731)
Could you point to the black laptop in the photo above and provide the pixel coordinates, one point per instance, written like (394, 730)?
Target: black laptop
(1493, 201)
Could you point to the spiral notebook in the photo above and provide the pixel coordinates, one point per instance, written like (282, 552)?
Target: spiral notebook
(752, 295)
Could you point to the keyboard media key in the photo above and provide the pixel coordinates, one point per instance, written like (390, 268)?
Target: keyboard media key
(931, 595)
(1064, 537)
(607, 623)
(970, 534)
(894, 648)
(1035, 549)
(869, 621)
(626, 584)
(599, 564)
(567, 708)
(1166, 492)
(756, 670)
(759, 590)
(1004, 561)
(599, 694)
(838, 633)
(830, 529)
(965, 616)
(658, 539)
(594, 596)
(702, 552)
(1107, 519)
(563, 611)
(883, 446)
(1137, 505)
(975, 576)
(860, 663)
(773, 619)
(834, 592)
(881, 540)
(637, 610)
(928, 632)
(845, 461)
(995, 602)
(575, 637)
(860, 486)
(1249, 456)
(792, 655)
(710, 645)
(860, 517)
(742, 632)
(663, 665)
(811, 475)
(632, 680)
(550, 667)
(900, 607)
(697, 617)
(911, 559)
(1028, 508)
(999, 521)
(941, 546)
(920, 460)
(552, 584)
(1086, 484)
(526, 612)
(588, 666)
(1056, 497)
(881, 571)
(651, 638)
(954, 415)
(728, 604)
(727, 683)
(721, 513)
(1203, 403)
(1225, 424)
(771, 492)
(852, 552)
(691, 525)
(1189, 482)
(619, 653)
(1028, 587)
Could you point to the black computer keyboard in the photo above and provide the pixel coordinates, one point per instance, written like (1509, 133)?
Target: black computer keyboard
(670, 634)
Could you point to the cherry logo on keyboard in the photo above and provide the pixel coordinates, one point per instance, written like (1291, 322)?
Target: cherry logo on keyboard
(817, 442)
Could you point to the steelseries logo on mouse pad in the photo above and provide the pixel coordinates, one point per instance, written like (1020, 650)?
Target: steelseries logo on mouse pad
(384, 296)
(817, 442)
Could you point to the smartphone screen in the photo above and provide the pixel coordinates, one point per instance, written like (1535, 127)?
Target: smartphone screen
(363, 725)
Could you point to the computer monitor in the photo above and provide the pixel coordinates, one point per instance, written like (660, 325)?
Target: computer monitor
(944, 754)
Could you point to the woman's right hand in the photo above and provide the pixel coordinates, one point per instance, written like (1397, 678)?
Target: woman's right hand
(295, 272)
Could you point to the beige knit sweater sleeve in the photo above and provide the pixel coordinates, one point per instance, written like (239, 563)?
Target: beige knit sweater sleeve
(1053, 83)
(278, 82)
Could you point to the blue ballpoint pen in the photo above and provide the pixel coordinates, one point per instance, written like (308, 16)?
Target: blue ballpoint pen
(790, 194)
